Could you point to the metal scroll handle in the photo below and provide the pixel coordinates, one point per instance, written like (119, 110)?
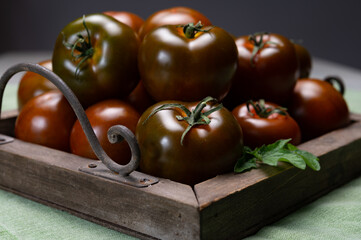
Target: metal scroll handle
(115, 133)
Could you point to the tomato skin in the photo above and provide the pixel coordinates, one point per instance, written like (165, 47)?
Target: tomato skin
(258, 131)
(172, 16)
(207, 150)
(139, 98)
(111, 72)
(174, 67)
(128, 18)
(102, 116)
(304, 61)
(33, 84)
(46, 120)
(271, 75)
(317, 107)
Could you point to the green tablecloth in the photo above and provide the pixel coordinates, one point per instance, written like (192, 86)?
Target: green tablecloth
(334, 216)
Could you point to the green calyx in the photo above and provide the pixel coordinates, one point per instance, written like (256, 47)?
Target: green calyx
(83, 46)
(263, 111)
(258, 44)
(193, 118)
(190, 30)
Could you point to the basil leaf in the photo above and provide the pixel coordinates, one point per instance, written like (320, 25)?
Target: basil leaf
(246, 162)
(271, 154)
(311, 160)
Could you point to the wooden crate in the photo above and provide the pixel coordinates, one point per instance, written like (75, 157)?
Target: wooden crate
(229, 206)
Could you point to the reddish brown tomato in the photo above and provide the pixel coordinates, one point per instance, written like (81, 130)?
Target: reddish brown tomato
(304, 61)
(33, 84)
(128, 18)
(139, 98)
(172, 16)
(175, 66)
(46, 120)
(102, 116)
(207, 150)
(317, 107)
(259, 130)
(269, 73)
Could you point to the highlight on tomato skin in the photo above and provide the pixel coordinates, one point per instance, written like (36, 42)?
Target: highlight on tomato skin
(265, 126)
(47, 120)
(102, 116)
(317, 107)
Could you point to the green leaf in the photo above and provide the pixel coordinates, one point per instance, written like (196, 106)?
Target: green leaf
(246, 162)
(311, 160)
(245, 166)
(273, 153)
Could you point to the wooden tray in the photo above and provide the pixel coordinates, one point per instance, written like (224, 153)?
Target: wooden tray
(229, 206)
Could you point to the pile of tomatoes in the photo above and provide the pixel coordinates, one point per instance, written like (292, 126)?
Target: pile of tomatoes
(192, 93)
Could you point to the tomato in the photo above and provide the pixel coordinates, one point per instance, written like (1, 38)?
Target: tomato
(264, 123)
(187, 63)
(172, 16)
(131, 19)
(139, 98)
(47, 120)
(304, 61)
(317, 107)
(33, 84)
(104, 62)
(267, 69)
(173, 148)
(102, 116)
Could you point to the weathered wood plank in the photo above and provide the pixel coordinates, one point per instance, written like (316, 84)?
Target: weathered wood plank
(167, 210)
(236, 205)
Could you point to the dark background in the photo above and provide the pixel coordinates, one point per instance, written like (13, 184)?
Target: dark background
(329, 29)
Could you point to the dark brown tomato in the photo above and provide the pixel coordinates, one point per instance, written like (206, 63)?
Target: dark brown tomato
(172, 16)
(175, 66)
(33, 84)
(259, 130)
(102, 116)
(47, 120)
(267, 73)
(139, 98)
(304, 61)
(103, 64)
(128, 18)
(207, 150)
(317, 107)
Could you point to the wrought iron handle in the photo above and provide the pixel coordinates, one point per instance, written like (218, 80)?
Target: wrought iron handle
(115, 133)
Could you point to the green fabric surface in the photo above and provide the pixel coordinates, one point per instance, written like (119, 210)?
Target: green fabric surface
(9, 101)
(22, 219)
(334, 216)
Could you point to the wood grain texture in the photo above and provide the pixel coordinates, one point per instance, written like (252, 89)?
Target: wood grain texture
(167, 210)
(236, 205)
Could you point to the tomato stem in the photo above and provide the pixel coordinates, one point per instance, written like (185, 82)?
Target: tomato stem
(263, 111)
(81, 45)
(258, 44)
(190, 30)
(195, 117)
